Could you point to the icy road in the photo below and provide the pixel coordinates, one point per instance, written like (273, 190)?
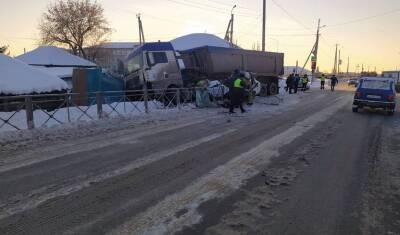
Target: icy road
(312, 167)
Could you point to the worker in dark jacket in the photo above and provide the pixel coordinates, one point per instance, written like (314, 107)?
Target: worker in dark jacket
(334, 82)
(289, 83)
(237, 94)
(296, 83)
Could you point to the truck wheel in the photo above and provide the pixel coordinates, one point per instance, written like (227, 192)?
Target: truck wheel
(355, 109)
(390, 112)
(273, 89)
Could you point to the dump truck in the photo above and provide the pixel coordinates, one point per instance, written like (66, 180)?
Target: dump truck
(159, 66)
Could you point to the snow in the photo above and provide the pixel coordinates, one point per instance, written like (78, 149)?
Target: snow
(61, 72)
(17, 78)
(292, 69)
(198, 40)
(53, 56)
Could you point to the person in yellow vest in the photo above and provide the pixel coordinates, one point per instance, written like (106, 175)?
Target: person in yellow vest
(322, 78)
(237, 94)
(305, 82)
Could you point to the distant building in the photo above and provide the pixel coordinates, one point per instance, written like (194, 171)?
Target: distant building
(110, 55)
(392, 74)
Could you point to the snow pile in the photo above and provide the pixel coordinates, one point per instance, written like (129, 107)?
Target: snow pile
(53, 56)
(196, 40)
(17, 78)
(292, 69)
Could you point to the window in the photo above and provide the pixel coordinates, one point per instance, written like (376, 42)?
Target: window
(376, 84)
(135, 63)
(160, 57)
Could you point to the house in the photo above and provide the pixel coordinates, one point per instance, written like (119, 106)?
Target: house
(55, 61)
(110, 56)
(18, 78)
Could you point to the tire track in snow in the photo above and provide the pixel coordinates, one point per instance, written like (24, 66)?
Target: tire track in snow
(220, 182)
(9, 208)
(58, 151)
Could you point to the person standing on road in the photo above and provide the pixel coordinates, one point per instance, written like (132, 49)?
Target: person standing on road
(322, 78)
(237, 94)
(289, 83)
(305, 82)
(334, 82)
(296, 83)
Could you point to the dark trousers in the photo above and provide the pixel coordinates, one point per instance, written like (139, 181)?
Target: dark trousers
(304, 86)
(296, 87)
(333, 87)
(322, 85)
(233, 106)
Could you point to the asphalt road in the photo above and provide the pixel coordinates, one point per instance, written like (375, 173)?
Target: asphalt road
(312, 169)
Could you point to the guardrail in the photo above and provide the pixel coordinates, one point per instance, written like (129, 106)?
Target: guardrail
(33, 111)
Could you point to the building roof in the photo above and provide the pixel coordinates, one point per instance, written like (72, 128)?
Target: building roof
(120, 45)
(197, 40)
(54, 57)
(17, 78)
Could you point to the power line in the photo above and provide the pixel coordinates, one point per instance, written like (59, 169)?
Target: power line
(291, 16)
(365, 18)
(206, 8)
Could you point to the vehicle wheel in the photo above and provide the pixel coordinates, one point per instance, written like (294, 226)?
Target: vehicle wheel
(390, 112)
(273, 89)
(355, 109)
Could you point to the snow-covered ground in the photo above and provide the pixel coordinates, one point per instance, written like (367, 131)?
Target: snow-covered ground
(11, 140)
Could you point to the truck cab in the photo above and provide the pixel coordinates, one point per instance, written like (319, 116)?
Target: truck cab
(154, 64)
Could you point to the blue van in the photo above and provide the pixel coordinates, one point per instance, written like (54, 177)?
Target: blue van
(375, 92)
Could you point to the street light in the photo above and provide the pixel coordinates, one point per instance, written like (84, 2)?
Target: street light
(233, 9)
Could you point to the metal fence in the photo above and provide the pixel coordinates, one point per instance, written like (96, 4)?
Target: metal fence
(33, 111)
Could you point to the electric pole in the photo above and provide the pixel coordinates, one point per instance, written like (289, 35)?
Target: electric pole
(263, 24)
(314, 52)
(335, 64)
(339, 62)
(348, 65)
(141, 33)
(229, 30)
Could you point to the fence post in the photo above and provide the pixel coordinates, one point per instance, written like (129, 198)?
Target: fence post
(146, 98)
(178, 98)
(29, 112)
(67, 104)
(99, 102)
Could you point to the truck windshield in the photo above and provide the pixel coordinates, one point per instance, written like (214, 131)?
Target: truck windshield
(135, 63)
(376, 84)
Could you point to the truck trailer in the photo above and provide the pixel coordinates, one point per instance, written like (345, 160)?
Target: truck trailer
(159, 66)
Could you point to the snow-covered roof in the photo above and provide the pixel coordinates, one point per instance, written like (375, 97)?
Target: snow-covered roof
(120, 45)
(61, 72)
(53, 56)
(17, 78)
(196, 40)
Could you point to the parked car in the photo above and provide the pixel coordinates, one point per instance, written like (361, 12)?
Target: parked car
(352, 82)
(375, 92)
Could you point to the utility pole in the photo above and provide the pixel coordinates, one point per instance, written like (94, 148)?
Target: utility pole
(314, 52)
(348, 65)
(229, 30)
(141, 33)
(335, 64)
(339, 62)
(263, 24)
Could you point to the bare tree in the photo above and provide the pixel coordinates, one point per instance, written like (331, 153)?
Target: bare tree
(75, 24)
(3, 49)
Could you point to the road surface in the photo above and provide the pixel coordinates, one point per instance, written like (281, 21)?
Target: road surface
(315, 168)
